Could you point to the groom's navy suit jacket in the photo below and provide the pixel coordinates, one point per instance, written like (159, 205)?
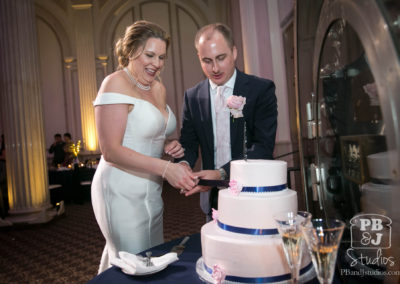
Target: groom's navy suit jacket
(260, 113)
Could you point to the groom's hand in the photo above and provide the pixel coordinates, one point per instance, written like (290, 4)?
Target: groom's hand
(206, 174)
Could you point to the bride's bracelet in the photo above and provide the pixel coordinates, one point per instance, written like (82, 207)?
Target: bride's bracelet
(165, 169)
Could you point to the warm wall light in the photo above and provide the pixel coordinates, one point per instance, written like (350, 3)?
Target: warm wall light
(89, 133)
(86, 67)
(26, 166)
(91, 139)
(102, 57)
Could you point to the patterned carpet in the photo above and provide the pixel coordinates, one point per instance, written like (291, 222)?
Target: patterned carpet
(68, 249)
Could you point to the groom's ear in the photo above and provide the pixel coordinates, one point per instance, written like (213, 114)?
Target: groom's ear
(234, 51)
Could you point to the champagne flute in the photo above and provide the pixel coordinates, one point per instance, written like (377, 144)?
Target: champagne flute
(323, 240)
(290, 231)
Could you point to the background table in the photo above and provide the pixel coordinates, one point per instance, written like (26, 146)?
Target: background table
(72, 188)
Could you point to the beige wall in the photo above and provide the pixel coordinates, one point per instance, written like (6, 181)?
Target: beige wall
(263, 24)
(57, 47)
(57, 34)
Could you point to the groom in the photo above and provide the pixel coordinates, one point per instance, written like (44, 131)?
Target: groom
(207, 121)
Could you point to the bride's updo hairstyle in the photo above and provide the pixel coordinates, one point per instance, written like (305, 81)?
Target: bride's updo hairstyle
(135, 38)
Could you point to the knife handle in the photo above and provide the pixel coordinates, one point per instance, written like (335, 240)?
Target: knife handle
(184, 241)
(214, 183)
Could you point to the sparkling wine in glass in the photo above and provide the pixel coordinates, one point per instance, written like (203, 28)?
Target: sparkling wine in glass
(292, 238)
(323, 240)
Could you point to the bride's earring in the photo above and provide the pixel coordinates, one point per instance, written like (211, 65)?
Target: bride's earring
(158, 75)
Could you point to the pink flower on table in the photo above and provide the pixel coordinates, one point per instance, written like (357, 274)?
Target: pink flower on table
(235, 105)
(218, 274)
(214, 215)
(235, 187)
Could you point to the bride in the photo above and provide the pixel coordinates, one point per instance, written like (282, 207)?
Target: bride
(133, 121)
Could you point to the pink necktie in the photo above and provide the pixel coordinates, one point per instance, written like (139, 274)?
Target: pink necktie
(222, 129)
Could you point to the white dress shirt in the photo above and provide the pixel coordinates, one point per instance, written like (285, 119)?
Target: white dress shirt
(228, 91)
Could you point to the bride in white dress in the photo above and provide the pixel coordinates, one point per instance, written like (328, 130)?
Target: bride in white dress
(133, 121)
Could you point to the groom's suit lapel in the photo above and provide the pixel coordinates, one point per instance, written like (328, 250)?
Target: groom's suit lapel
(241, 88)
(205, 113)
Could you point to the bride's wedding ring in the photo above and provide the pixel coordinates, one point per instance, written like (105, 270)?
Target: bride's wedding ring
(182, 190)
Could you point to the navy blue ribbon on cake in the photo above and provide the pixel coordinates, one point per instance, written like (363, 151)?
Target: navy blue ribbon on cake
(268, 279)
(247, 231)
(271, 188)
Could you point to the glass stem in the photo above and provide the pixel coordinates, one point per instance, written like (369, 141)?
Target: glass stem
(295, 274)
(294, 278)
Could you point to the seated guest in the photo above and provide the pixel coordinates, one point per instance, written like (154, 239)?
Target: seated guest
(69, 156)
(58, 149)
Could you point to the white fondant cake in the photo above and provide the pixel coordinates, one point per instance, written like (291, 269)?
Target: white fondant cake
(250, 210)
(244, 241)
(259, 172)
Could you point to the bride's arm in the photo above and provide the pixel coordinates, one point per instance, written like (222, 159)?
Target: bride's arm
(111, 123)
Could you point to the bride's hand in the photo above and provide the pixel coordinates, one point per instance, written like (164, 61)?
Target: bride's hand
(174, 149)
(204, 174)
(180, 177)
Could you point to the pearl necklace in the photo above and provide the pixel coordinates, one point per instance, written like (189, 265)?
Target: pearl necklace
(135, 82)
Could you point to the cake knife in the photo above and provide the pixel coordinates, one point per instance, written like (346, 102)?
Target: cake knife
(180, 247)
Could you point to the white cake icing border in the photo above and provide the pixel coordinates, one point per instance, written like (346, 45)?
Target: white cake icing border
(205, 276)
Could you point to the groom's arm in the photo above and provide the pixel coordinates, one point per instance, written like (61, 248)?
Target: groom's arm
(188, 137)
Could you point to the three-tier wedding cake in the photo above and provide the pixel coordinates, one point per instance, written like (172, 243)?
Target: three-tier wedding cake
(243, 244)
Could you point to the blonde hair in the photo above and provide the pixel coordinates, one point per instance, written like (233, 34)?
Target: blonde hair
(135, 37)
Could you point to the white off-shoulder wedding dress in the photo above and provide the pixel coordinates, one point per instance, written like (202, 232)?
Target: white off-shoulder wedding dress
(128, 205)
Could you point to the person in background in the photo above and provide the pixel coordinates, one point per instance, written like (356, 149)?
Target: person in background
(57, 149)
(133, 121)
(69, 156)
(214, 112)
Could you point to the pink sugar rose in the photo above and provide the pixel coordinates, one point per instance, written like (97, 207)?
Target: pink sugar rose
(214, 215)
(218, 274)
(234, 187)
(235, 105)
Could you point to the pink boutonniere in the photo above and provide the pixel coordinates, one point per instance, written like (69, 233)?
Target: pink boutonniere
(235, 187)
(218, 274)
(214, 215)
(235, 105)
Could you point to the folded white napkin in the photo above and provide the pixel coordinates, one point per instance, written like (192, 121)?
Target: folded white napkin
(136, 265)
